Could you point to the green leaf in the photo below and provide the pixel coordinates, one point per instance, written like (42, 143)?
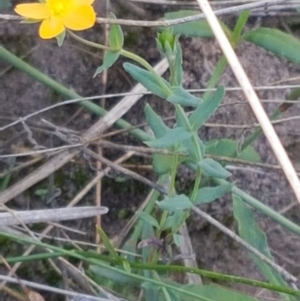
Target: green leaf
(181, 118)
(178, 64)
(109, 247)
(103, 272)
(227, 147)
(276, 41)
(162, 164)
(192, 149)
(177, 202)
(116, 37)
(207, 108)
(151, 290)
(173, 137)
(148, 80)
(177, 239)
(147, 231)
(150, 285)
(41, 192)
(156, 123)
(130, 248)
(174, 220)
(182, 97)
(126, 266)
(216, 293)
(146, 217)
(173, 295)
(252, 234)
(60, 38)
(209, 194)
(198, 28)
(110, 57)
(239, 26)
(214, 168)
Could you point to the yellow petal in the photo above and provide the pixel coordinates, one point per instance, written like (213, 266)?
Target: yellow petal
(83, 2)
(37, 11)
(83, 17)
(51, 28)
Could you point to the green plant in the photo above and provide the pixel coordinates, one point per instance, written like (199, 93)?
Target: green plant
(147, 267)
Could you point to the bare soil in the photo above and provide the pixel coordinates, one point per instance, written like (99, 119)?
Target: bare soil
(73, 66)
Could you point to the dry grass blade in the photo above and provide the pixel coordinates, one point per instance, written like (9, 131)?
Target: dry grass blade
(186, 248)
(49, 215)
(54, 289)
(31, 295)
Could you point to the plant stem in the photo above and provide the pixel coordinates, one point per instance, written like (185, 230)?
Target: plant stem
(196, 185)
(127, 54)
(89, 43)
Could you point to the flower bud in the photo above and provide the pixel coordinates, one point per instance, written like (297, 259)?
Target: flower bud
(166, 41)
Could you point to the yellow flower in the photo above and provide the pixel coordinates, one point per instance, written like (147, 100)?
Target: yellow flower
(57, 15)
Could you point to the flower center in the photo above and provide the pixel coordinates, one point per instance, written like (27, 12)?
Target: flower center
(59, 8)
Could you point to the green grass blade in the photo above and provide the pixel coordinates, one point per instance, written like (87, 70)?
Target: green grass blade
(252, 234)
(109, 247)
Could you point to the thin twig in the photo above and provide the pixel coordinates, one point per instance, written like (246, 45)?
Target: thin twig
(20, 167)
(167, 23)
(49, 215)
(52, 289)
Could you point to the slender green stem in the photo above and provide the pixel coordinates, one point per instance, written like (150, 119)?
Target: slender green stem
(188, 126)
(171, 188)
(196, 185)
(173, 175)
(123, 52)
(166, 293)
(239, 26)
(197, 146)
(138, 59)
(162, 221)
(222, 63)
(172, 73)
(89, 43)
(218, 71)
